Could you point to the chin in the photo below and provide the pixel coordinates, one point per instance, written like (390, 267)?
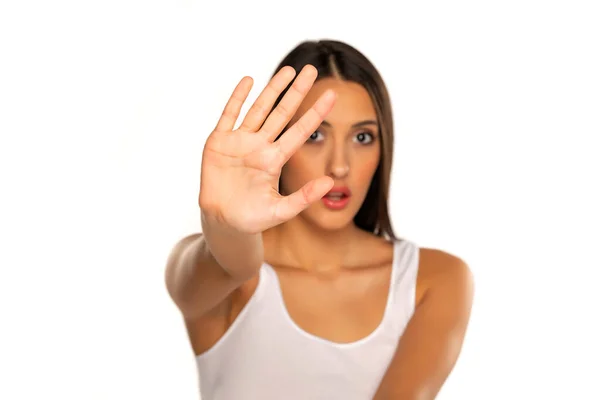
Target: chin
(330, 220)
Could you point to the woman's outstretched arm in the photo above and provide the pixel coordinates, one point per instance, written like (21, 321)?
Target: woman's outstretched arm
(239, 194)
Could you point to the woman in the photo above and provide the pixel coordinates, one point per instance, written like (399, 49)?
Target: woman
(298, 288)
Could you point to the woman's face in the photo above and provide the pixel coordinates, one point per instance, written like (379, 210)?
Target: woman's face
(345, 147)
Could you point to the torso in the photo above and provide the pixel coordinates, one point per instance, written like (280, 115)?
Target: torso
(342, 308)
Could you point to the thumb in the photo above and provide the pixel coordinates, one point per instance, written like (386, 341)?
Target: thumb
(289, 206)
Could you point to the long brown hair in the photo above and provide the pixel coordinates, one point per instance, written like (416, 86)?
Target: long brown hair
(336, 59)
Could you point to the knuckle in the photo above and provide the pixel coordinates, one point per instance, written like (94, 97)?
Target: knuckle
(228, 113)
(305, 195)
(277, 160)
(273, 88)
(315, 113)
(283, 110)
(303, 125)
(260, 107)
(299, 89)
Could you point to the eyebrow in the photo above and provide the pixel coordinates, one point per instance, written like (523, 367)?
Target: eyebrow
(356, 125)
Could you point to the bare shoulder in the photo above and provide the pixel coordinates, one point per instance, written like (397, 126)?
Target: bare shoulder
(444, 274)
(178, 247)
(433, 338)
(440, 264)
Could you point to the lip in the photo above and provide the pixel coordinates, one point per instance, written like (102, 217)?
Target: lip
(337, 204)
(340, 189)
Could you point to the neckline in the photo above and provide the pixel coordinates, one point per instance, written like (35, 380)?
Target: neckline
(358, 342)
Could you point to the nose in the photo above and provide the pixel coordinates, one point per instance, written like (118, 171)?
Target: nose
(339, 166)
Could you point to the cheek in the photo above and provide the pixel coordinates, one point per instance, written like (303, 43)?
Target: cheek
(365, 176)
(366, 169)
(299, 170)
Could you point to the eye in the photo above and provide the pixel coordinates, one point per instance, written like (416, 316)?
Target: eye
(315, 137)
(365, 137)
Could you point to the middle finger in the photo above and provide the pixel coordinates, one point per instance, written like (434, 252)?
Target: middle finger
(286, 108)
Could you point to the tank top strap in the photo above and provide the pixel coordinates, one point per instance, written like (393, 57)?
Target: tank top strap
(272, 290)
(404, 281)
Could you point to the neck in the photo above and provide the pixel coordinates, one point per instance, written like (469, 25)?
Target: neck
(301, 245)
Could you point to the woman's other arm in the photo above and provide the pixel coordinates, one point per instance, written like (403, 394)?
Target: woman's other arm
(431, 343)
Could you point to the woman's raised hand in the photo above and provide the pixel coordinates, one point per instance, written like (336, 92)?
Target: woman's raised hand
(241, 168)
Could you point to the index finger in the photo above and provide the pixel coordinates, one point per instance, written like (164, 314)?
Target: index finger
(299, 133)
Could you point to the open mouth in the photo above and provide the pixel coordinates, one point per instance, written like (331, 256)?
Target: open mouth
(336, 197)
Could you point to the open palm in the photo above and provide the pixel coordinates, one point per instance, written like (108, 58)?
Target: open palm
(241, 168)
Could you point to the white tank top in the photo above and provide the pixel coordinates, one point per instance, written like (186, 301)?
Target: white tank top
(264, 355)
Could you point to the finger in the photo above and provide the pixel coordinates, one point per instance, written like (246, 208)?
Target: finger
(297, 135)
(290, 206)
(263, 104)
(285, 110)
(234, 105)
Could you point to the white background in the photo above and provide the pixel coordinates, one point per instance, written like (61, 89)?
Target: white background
(104, 109)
